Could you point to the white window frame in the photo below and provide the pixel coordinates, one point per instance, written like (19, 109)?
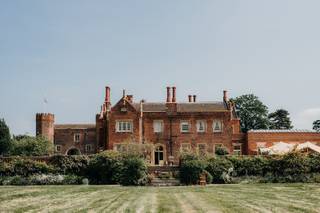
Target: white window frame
(76, 137)
(205, 148)
(56, 148)
(124, 126)
(214, 124)
(185, 147)
(216, 145)
(87, 147)
(204, 125)
(155, 128)
(121, 145)
(237, 151)
(182, 123)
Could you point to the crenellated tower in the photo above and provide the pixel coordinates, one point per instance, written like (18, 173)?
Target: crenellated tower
(45, 125)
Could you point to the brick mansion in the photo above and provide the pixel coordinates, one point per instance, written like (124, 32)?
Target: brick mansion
(167, 127)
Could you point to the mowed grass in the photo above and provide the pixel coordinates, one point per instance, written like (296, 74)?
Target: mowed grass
(213, 198)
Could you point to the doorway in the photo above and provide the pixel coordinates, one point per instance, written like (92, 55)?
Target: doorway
(158, 156)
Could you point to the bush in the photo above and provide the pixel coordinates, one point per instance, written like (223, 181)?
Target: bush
(216, 167)
(24, 167)
(314, 162)
(209, 177)
(104, 168)
(133, 171)
(190, 171)
(250, 166)
(76, 165)
(31, 146)
(221, 151)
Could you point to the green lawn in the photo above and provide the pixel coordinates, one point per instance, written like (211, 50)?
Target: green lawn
(214, 198)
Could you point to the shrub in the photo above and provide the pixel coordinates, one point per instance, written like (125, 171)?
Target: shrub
(209, 177)
(24, 167)
(133, 171)
(104, 168)
(221, 151)
(31, 146)
(190, 171)
(76, 165)
(249, 166)
(314, 162)
(216, 167)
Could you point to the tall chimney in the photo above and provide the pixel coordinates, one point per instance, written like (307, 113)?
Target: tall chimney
(173, 94)
(190, 98)
(168, 95)
(194, 98)
(225, 95)
(107, 98)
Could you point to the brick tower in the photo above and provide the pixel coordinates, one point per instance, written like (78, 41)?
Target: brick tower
(45, 125)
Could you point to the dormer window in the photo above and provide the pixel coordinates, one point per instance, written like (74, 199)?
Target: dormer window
(217, 126)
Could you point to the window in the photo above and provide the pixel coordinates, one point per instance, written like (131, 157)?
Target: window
(124, 126)
(120, 147)
(184, 126)
(76, 137)
(58, 148)
(88, 147)
(217, 126)
(237, 149)
(201, 126)
(158, 126)
(202, 149)
(185, 147)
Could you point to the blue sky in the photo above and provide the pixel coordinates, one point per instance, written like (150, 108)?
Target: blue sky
(68, 51)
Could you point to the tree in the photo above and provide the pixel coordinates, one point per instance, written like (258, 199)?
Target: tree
(316, 125)
(31, 146)
(5, 138)
(280, 120)
(252, 112)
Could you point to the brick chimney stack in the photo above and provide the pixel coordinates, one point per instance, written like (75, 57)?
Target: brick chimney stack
(168, 95)
(107, 99)
(194, 98)
(173, 94)
(225, 95)
(190, 98)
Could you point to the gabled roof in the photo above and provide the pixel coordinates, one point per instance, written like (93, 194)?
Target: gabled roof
(74, 126)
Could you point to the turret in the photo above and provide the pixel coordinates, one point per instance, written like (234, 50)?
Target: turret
(45, 125)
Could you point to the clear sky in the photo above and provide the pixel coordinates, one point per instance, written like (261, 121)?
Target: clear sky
(68, 51)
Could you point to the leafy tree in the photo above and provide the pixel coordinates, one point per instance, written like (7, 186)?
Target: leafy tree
(252, 112)
(31, 146)
(5, 138)
(316, 125)
(280, 120)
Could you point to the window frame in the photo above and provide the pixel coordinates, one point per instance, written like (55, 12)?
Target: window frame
(86, 147)
(77, 137)
(56, 148)
(182, 148)
(213, 126)
(204, 126)
(122, 126)
(205, 148)
(184, 122)
(237, 150)
(161, 127)
(125, 145)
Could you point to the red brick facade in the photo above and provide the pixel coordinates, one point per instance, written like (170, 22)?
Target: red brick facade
(165, 127)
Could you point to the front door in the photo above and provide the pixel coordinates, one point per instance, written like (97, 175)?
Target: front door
(158, 156)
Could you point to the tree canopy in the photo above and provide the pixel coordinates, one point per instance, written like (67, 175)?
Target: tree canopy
(252, 112)
(316, 125)
(280, 120)
(5, 138)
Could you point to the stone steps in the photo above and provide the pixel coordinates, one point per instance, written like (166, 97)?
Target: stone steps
(165, 182)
